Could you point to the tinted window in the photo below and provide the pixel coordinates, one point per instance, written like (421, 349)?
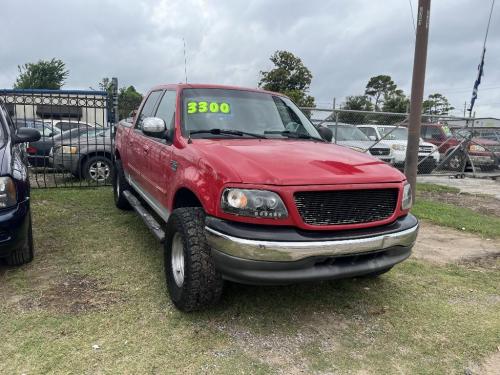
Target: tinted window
(433, 132)
(348, 133)
(369, 132)
(148, 108)
(166, 109)
(394, 134)
(63, 126)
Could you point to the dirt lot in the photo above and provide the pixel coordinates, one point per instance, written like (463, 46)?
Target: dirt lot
(94, 301)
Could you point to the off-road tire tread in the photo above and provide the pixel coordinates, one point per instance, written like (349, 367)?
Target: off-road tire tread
(25, 253)
(202, 283)
(120, 202)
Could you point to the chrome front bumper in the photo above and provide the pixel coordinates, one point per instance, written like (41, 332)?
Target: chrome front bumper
(297, 250)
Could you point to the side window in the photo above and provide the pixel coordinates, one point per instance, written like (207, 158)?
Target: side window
(148, 108)
(166, 108)
(370, 132)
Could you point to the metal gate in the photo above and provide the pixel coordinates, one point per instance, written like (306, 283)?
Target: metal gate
(77, 135)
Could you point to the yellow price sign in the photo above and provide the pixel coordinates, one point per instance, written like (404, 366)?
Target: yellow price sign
(208, 107)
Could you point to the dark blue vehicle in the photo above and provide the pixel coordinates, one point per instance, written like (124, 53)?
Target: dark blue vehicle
(16, 238)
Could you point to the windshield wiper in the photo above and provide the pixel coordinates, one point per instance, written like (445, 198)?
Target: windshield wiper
(289, 134)
(218, 131)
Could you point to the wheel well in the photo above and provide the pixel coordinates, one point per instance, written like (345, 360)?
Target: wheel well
(185, 198)
(104, 154)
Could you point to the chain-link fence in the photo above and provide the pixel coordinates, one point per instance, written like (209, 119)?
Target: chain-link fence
(77, 138)
(448, 145)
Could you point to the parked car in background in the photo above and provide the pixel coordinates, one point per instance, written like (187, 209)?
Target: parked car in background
(38, 152)
(16, 235)
(441, 136)
(240, 186)
(350, 136)
(86, 155)
(397, 139)
(492, 134)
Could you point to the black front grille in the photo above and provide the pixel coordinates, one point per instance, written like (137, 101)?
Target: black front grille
(346, 206)
(379, 151)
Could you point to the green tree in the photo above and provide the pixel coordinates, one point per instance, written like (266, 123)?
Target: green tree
(436, 104)
(45, 74)
(357, 103)
(379, 88)
(128, 97)
(398, 102)
(128, 100)
(290, 77)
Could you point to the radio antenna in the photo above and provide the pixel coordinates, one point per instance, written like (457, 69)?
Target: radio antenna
(185, 61)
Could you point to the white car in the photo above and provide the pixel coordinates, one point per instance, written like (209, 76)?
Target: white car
(397, 138)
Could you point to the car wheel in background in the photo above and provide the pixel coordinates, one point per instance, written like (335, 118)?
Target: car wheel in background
(120, 184)
(192, 280)
(97, 169)
(457, 160)
(25, 253)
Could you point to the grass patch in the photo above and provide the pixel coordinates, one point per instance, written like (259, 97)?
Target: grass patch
(417, 319)
(460, 218)
(434, 188)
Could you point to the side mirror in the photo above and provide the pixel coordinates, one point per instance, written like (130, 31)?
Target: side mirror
(325, 133)
(154, 126)
(24, 135)
(372, 138)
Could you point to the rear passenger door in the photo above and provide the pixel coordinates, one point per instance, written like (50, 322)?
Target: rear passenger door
(137, 149)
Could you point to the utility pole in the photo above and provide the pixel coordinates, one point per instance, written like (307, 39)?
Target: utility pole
(417, 93)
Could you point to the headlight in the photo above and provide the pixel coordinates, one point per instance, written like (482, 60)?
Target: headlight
(477, 148)
(69, 149)
(8, 196)
(406, 201)
(254, 203)
(398, 147)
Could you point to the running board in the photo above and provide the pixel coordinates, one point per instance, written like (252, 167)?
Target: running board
(148, 219)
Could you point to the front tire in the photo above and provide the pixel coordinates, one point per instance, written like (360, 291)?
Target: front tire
(192, 280)
(120, 184)
(25, 253)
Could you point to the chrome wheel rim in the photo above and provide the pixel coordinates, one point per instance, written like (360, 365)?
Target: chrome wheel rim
(99, 171)
(177, 260)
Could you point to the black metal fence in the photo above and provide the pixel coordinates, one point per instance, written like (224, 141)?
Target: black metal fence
(449, 146)
(76, 127)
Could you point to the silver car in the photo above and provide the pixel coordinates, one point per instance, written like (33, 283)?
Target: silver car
(87, 155)
(350, 136)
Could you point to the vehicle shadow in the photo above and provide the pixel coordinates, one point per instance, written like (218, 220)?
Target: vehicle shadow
(279, 309)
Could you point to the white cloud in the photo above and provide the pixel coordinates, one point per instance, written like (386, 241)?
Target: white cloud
(344, 43)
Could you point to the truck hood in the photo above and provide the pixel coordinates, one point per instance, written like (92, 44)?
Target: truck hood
(291, 162)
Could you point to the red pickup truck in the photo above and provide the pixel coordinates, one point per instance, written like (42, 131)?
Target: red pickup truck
(240, 186)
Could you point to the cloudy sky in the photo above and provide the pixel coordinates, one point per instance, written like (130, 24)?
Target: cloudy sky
(343, 42)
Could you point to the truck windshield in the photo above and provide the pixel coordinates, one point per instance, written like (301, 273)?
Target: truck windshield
(348, 133)
(394, 134)
(236, 112)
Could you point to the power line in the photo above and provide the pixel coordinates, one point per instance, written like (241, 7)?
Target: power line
(412, 16)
